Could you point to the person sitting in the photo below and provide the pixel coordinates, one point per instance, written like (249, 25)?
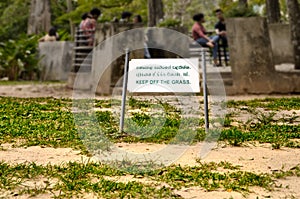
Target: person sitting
(137, 19)
(52, 35)
(125, 17)
(89, 25)
(84, 16)
(200, 36)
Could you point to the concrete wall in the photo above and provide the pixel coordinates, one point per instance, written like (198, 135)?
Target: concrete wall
(253, 68)
(56, 60)
(161, 42)
(168, 43)
(108, 54)
(282, 48)
(254, 51)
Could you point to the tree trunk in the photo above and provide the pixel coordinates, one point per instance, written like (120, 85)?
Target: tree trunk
(40, 17)
(69, 9)
(159, 10)
(273, 11)
(155, 12)
(294, 15)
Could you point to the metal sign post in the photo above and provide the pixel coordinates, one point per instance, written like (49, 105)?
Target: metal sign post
(204, 82)
(125, 81)
(125, 84)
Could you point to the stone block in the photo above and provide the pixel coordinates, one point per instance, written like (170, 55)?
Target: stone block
(56, 60)
(253, 68)
(282, 48)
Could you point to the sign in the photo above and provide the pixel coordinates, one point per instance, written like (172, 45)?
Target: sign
(164, 75)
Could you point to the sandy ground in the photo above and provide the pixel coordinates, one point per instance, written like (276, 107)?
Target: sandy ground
(59, 90)
(253, 157)
(258, 159)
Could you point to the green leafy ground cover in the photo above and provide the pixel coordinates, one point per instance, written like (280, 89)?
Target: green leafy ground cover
(75, 179)
(51, 122)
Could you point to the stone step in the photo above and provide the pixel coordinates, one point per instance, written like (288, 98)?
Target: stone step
(87, 60)
(82, 53)
(83, 48)
(216, 75)
(226, 82)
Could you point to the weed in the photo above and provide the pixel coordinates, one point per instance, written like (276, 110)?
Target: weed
(75, 179)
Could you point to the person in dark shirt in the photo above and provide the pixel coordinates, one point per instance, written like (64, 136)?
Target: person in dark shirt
(220, 27)
(125, 17)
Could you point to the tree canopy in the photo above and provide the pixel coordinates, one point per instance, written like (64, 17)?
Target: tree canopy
(66, 14)
(14, 13)
(13, 18)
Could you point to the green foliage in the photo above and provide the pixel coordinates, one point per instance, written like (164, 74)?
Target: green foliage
(170, 23)
(47, 121)
(50, 122)
(109, 9)
(58, 8)
(269, 103)
(134, 103)
(14, 14)
(284, 11)
(13, 18)
(232, 9)
(73, 179)
(237, 11)
(77, 179)
(18, 58)
(264, 126)
(41, 121)
(206, 177)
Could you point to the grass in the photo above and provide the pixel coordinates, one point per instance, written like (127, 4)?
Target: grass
(50, 122)
(42, 121)
(77, 179)
(54, 123)
(71, 179)
(268, 103)
(74, 179)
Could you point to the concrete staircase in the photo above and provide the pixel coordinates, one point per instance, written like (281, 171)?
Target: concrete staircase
(81, 63)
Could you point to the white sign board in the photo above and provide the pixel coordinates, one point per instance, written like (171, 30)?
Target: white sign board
(164, 75)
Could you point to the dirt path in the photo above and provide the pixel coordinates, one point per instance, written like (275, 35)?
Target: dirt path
(258, 159)
(59, 90)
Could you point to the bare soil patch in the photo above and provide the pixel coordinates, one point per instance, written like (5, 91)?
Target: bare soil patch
(258, 159)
